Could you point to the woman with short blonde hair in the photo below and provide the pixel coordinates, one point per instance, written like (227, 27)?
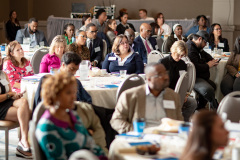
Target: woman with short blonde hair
(60, 131)
(122, 58)
(180, 48)
(52, 60)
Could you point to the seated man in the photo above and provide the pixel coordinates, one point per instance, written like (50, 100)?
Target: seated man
(100, 20)
(203, 62)
(36, 37)
(70, 64)
(143, 15)
(133, 44)
(146, 42)
(152, 101)
(94, 44)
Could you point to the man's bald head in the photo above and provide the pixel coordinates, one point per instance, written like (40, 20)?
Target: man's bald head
(130, 35)
(145, 30)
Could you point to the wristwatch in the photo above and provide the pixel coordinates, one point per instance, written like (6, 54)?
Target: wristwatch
(8, 96)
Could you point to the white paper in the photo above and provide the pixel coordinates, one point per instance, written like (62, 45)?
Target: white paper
(221, 45)
(168, 104)
(112, 58)
(4, 82)
(97, 49)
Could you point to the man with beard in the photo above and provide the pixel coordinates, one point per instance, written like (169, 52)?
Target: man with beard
(36, 37)
(151, 101)
(203, 62)
(146, 42)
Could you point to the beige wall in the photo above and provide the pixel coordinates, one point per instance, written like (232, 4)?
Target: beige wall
(4, 10)
(173, 9)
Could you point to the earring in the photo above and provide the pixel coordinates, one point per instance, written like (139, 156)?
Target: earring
(57, 105)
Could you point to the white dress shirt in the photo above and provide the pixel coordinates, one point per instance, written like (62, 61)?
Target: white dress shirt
(33, 41)
(167, 30)
(149, 44)
(120, 61)
(154, 108)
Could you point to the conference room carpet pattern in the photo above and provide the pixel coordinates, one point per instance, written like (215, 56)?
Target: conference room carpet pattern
(13, 141)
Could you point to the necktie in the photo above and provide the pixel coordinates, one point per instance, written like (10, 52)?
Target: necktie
(147, 46)
(90, 46)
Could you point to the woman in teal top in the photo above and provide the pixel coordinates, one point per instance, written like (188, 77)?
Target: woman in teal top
(68, 32)
(60, 131)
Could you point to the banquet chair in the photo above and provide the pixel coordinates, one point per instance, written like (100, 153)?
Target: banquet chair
(6, 126)
(164, 46)
(37, 58)
(37, 151)
(191, 76)
(231, 106)
(83, 154)
(154, 56)
(186, 59)
(105, 49)
(133, 80)
(159, 43)
(182, 86)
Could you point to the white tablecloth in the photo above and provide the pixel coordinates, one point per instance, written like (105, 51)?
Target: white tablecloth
(101, 96)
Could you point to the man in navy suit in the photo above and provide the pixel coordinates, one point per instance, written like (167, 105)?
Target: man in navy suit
(146, 42)
(94, 44)
(131, 36)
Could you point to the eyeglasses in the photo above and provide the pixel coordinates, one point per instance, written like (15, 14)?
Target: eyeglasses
(93, 32)
(129, 35)
(218, 29)
(160, 75)
(122, 43)
(181, 56)
(149, 31)
(83, 36)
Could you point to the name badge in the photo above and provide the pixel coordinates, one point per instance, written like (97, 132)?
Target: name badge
(97, 49)
(112, 58)
(4, 82)
(221, 45)
(29, 68)
(156, 47)
(167, 104)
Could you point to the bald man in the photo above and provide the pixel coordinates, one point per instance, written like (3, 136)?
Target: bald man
(151, 101)
(135, 47)
(146, 42)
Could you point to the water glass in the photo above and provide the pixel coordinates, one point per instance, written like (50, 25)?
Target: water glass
(123, 73)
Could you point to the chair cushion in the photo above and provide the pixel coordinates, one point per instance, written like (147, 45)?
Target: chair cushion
(8, 124)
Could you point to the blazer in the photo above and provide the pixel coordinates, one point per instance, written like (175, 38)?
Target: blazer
(199, 58)
(97, 51)
(132, 105)
(233, 64)
(121, 29)
(143, 52)
(173, 68)
(224, 41)
(133, 64)
(11, 29)
(22, 33)
(170, 42)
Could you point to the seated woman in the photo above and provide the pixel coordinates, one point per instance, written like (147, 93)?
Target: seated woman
(85, 21)
(79, 46)
(111, 30)
(68, 32)
(207, 135)
(164, 28)
(202, 25)
(16, 66)
(216, 40)
(231, 80)
(12, 26)
(52, 60)
(14, 108)
(60, 131)
(123, 18)
(123, 58)
(175, 36)
(175, 66)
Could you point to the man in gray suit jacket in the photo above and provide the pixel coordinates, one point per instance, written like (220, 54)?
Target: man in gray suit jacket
(152, 101)
(36, 36)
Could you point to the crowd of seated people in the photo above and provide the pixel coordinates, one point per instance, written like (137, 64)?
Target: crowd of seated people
(126, 51)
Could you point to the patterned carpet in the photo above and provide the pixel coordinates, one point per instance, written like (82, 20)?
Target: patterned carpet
(13, 141)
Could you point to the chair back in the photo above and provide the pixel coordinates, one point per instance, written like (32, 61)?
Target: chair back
(154, 56)
(133, 80)
(38, 153)
(159, 43)
(37, 58)
(105, 48)
(191, 70)
(164, 46)
(83, 154)
(181, 86)
(186, 59)
(230, 105)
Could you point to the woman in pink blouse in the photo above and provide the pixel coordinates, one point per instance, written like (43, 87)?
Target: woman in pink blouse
(53, 58)
(16, 66)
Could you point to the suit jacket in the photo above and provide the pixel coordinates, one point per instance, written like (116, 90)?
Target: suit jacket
(143, 52)
(97, 51)
(233, 64)
(132, 105)
(22, 33)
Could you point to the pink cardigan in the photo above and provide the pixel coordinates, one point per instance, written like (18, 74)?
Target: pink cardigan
(48, 62)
